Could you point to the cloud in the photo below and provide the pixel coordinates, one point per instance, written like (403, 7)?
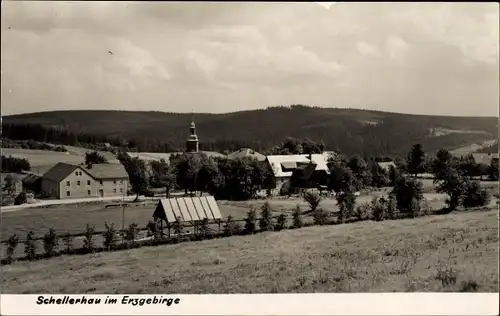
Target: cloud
(440, 58)
(366, 49)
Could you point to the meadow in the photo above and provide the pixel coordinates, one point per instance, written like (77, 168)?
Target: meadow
(455, 252)
(42, 160)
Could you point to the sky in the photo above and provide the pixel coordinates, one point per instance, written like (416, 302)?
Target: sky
(422, 58)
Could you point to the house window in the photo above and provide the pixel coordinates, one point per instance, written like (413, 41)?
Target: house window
(88, 182)
(77, 173)
(88, 192)
(67, 183)
(68, 193)
(78, 182)
(121, 190)
(121, 181)
(100, 182)
(114, 181)
(114, 190)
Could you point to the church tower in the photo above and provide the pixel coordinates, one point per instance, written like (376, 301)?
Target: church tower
(192, 143)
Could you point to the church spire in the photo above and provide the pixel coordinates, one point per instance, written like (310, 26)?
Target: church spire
(192, 143)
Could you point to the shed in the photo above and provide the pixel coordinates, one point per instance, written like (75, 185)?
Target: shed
(191, 210)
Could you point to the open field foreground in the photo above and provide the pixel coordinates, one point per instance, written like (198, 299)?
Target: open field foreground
(457, 252)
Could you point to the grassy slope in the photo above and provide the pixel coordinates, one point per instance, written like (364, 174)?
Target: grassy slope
(404, 255)
(271, 126)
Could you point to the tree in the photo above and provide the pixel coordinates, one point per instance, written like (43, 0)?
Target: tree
(231, 227)
(341, 178)
(12, 243)
(109, 236)
(452, 183)
(136, 170)
(163, 176)
(474, 195)
(209, 177)
(50, 242)
(30, 246)
(468, 166)
(493, 170)
(441, 164)
(408, 193)
(186, 168)
(360, 172)
(9, 184)
(13, 164)
(88, 241)
(346, 200)
(94, 158)
(297, 221)
(266, 218)
(313, 199)
(416, 160)
(321, 217)
(281, 222)
(250, 221)
(380, 178)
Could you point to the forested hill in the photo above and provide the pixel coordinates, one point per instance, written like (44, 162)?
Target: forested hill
(370, 133)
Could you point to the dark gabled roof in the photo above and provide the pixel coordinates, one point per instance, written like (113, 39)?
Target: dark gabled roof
(99, 171)
(106, 171)
(59, 172)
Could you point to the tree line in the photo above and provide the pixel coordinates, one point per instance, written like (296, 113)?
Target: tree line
(344, 130)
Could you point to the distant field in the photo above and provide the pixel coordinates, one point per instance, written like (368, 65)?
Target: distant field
(42, 160)
(457, 252)
(472, 148)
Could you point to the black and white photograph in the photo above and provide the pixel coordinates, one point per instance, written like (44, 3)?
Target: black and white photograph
(249, 147)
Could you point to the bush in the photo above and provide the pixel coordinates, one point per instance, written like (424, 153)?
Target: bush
(204, 230)
(321, 217)
(68, 242)
(20, 199)
(131, 233)
(30, 246)
(362, 212)
(109, 236)
(12, 243)
(88, 241)
(231, 227)
(50, 242)
(392, 207)
(250, 221)
(266, 218)
(313, 199)
(378, 209)
(281, 222)
(346, 202)
(475, 196)
(153, 230)
(408, 193)
(297, 218)
(177, 226)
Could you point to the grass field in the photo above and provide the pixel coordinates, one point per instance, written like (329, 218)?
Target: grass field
(456, 252)
(42, 160)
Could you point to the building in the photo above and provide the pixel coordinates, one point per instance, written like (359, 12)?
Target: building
(283, 167)
(246, 152)
(66, 181)
(192, 143)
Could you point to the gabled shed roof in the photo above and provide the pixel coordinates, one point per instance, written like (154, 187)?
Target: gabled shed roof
(188, 209)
